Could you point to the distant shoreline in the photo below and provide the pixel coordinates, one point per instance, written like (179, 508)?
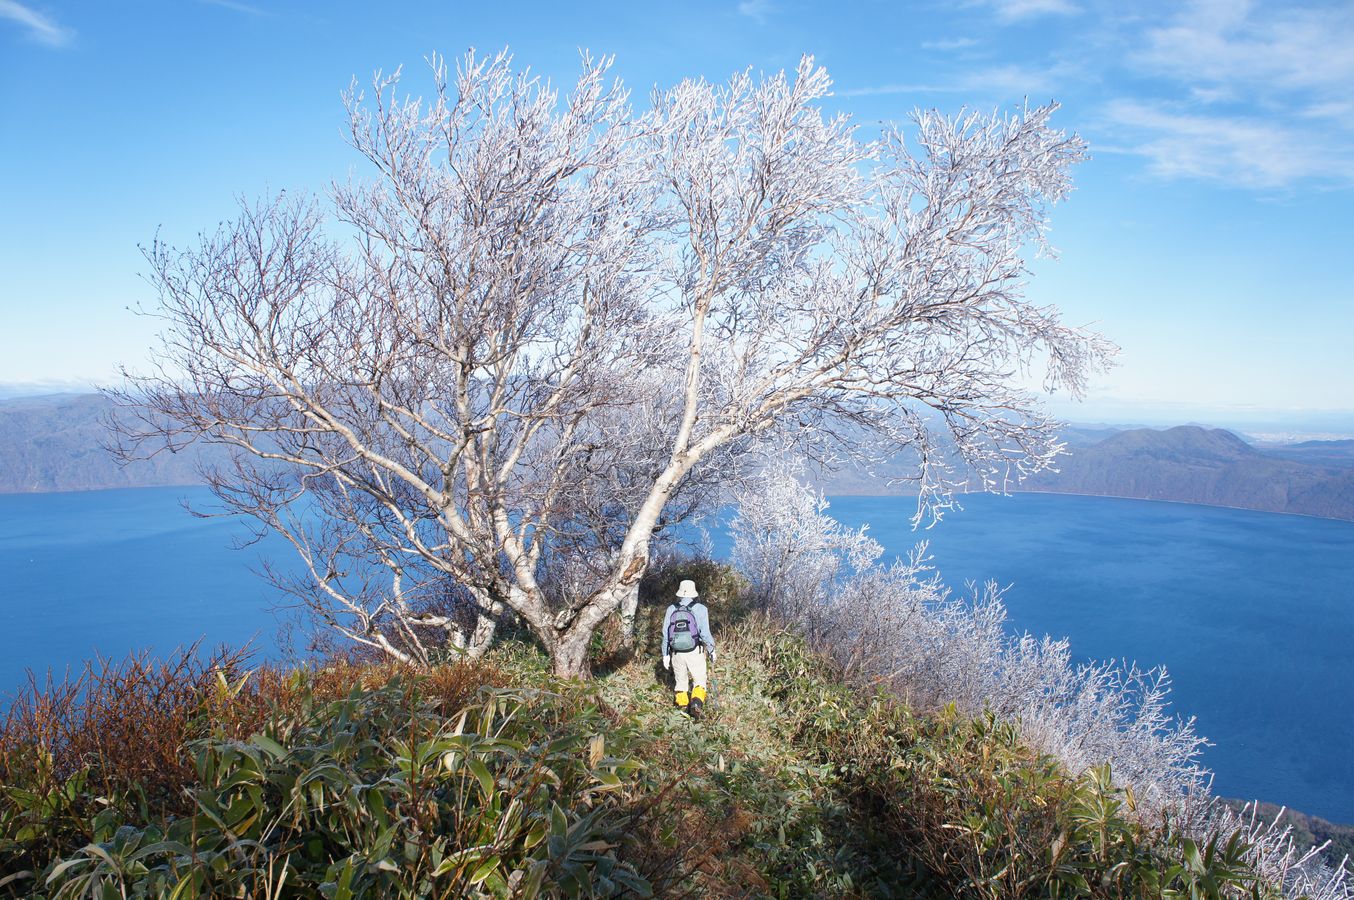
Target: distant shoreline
(1271, 512)
(95, 490)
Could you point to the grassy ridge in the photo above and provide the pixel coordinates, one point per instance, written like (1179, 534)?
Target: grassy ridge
(492, 779)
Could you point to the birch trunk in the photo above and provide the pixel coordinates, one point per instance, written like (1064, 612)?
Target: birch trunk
(629, 613)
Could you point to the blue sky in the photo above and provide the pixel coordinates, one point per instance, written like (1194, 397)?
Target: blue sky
(1209, 236)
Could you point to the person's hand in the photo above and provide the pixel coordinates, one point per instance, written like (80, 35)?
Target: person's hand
(712, 655)
(667, 662)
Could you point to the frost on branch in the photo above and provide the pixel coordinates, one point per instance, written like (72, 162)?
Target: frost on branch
(546, 325)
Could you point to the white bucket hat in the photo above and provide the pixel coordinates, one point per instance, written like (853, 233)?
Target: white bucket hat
(687, 589)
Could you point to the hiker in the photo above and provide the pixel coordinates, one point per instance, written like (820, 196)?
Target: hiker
(686, 640)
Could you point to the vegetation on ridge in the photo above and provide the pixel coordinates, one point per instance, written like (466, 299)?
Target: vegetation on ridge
(1209, 466)
(493, 779)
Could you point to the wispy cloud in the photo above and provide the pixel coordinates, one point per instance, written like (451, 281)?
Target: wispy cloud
(883, 89)
(1342, 111)
(236, 6)
(1209, 95)
(40, 28)
(1021, 10)
(962, 43)
(1271, 48)
(1259, 95)
(1249, 151)
(994, 83)
(757, 10)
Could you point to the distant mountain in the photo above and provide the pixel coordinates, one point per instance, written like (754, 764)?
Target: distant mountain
(10, 390)
(1319, 453)
(1086, 435)
(55, 443)
(1185, 464)
(1192, 464)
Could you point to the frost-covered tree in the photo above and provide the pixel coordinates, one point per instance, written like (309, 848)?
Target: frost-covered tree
(551, 320)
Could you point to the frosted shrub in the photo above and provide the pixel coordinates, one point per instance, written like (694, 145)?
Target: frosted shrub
(1303, 871)
(790, 549)
(898, 625)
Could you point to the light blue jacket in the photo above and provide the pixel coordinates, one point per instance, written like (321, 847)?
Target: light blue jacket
(702, 625)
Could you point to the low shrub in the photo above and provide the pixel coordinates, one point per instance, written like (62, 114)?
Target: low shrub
(358, 779)
(379, 795)
(987, 815)
(196, 777)
(898, 627)
(111, 736)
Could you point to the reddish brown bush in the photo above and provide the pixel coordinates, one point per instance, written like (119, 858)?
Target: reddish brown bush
(126, 722)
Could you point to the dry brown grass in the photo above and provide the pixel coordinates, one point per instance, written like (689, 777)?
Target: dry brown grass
(128, 723)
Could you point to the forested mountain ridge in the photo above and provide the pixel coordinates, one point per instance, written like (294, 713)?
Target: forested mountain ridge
(1192, 464)
(1321, 453)
(57, 443)
(1184, 464)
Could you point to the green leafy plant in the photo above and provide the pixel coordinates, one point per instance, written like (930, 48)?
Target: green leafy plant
(376, 795)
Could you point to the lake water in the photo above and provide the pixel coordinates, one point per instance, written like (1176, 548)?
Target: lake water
(113, 571)
(1253, 613)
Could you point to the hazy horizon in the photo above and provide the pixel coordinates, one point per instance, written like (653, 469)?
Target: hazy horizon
(1297, 423)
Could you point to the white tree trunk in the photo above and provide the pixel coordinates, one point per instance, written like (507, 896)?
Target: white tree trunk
(629, 613)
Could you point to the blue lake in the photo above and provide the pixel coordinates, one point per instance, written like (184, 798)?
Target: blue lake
(111, 571)
(1252, 613)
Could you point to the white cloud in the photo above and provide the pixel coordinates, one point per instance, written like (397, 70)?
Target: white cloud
(1342, 111)
(999, 83)
(1212, 94)
(1260, 95)
(757, 10)
(1020, 10)
(1248, 151)
(40, 28)
(951, 44)
(1271, 48)
(882, 89)
(236, 6)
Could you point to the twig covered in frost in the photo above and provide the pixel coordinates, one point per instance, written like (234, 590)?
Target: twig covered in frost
(1304, 872)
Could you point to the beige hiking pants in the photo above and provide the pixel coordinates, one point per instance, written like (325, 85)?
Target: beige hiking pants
(688, 667)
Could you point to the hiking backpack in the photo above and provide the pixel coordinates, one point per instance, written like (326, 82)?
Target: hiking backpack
(683, 632)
